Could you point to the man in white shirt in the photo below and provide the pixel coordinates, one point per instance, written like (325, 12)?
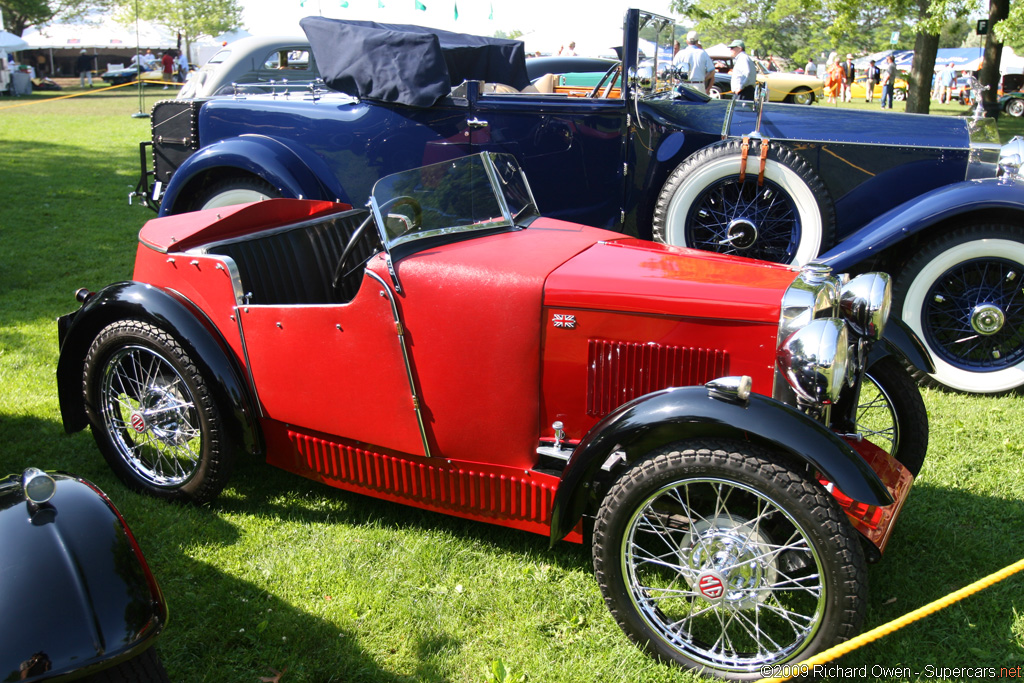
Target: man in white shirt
(744, 73)
(695, 64)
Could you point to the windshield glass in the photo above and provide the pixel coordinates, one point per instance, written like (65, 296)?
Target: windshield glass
(654, 53)
(470, 194)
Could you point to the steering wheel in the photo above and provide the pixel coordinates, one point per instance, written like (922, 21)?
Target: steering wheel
(340, 271)
(613, 74)
(416, 219)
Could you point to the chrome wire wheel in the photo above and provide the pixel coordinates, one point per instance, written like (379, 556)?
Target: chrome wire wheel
(151, 417)
(724, 573)
(716, 556)
(153, 413)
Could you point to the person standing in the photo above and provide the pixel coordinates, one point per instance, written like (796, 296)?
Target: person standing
(694, 63)
(849, 71)
(888, 81)
(744, 73)
(947, 77)
(834, 77)
(168, 64)
(182, 67)
(873, 73)
(811, 69)
(84, 66)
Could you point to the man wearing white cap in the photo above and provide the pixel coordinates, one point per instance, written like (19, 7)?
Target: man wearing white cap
(84, 66)
(744, 73)
(694, 63)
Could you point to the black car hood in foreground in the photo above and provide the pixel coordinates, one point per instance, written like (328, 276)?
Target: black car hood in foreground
(75, 591)
(411, 65)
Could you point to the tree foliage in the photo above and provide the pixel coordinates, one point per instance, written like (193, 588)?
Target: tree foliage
(188, 18)
(20, 14)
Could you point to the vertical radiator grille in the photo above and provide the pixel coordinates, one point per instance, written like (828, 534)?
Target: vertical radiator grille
(439, 486)
(620, 371)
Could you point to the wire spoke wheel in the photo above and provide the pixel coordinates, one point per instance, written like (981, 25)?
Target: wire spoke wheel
(151, 417)
(724, 573)
(153, 414)
(716, 557)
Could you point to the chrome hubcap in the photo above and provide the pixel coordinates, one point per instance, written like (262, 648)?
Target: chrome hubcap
(741, 234)
(987, 319)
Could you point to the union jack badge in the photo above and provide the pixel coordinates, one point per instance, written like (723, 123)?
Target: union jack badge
(567, 321)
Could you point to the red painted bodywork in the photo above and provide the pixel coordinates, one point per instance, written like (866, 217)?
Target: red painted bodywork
(506, 334)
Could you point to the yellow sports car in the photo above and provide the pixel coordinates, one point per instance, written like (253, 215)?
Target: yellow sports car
(859, 89)
(789, 87)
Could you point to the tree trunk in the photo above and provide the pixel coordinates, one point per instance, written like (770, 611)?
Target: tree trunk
(997, 11)
(919, 96)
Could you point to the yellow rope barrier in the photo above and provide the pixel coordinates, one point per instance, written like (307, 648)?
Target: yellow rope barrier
(841, 649)
(80, 94)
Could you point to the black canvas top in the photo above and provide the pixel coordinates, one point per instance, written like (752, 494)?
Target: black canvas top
(405, 64)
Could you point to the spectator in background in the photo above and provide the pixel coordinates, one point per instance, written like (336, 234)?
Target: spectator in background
(834, 77)
(568, 51)
(168, 64)
(811, 69)
(849, 72)
(696, 67)
(182, 67)
(873, 74)
(947, 78)
(744, 73)
(40, 65)
(888, 81)
(148, 59)
(84, 66)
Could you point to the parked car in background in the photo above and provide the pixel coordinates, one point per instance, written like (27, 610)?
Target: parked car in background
(1012, 103)
(150, 76)
(858, 90)
(257, 64)
(78, 599)
(863, 189)
(789, 87)
(740, 436)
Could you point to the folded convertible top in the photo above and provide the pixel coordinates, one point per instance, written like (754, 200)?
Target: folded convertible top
(405, 64)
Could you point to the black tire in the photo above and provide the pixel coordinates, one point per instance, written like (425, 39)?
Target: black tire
(152, 414)
(892, 414)
(146, 668)
(801, 96)
(703, 205)
(1015, 107)
(714, 92)
(899, 94)
(723, 511)
(231, 191)
(961, 294)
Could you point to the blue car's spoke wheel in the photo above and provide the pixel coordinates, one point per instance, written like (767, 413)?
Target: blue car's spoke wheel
(783, 215)
(152, 413)
(963, 296)
(716, 556)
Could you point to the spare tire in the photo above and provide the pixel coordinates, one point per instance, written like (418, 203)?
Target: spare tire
(789, 218)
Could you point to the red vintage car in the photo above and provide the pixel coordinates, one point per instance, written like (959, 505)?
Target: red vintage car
(737, 436)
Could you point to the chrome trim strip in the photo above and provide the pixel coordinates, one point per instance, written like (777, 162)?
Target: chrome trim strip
(400, 331)
(248, 364)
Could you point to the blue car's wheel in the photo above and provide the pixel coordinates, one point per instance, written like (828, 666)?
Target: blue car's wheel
(962, 295)
(784, 215)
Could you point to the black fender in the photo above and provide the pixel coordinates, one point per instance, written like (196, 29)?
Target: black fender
(902, 342)
(189, 325)
(77, 595)
(682, 413)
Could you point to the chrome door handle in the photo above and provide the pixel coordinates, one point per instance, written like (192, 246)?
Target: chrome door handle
(476, 123)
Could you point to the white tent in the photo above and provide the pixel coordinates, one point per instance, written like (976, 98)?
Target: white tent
(11, 42)
(105, 33)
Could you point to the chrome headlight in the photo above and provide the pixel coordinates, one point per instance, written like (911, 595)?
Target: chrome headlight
(38, 486)
(1011, 156)
(814, 360)
(813, 294)
(864, 302)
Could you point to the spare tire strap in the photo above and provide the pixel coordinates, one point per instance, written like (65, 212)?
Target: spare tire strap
(744, 148)
(764, 157)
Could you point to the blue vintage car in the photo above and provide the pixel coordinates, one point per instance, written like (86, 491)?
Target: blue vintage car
(917, 196)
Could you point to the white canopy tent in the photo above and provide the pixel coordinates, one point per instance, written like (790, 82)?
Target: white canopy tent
(105, 33)
(11, 42)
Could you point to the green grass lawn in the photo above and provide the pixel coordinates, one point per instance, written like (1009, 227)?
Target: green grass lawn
(280, 572)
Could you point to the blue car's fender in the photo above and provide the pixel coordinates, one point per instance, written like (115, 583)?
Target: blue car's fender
(900, 341)
(974, 198)
(294, 171)
(190, 327)
(663, 417)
